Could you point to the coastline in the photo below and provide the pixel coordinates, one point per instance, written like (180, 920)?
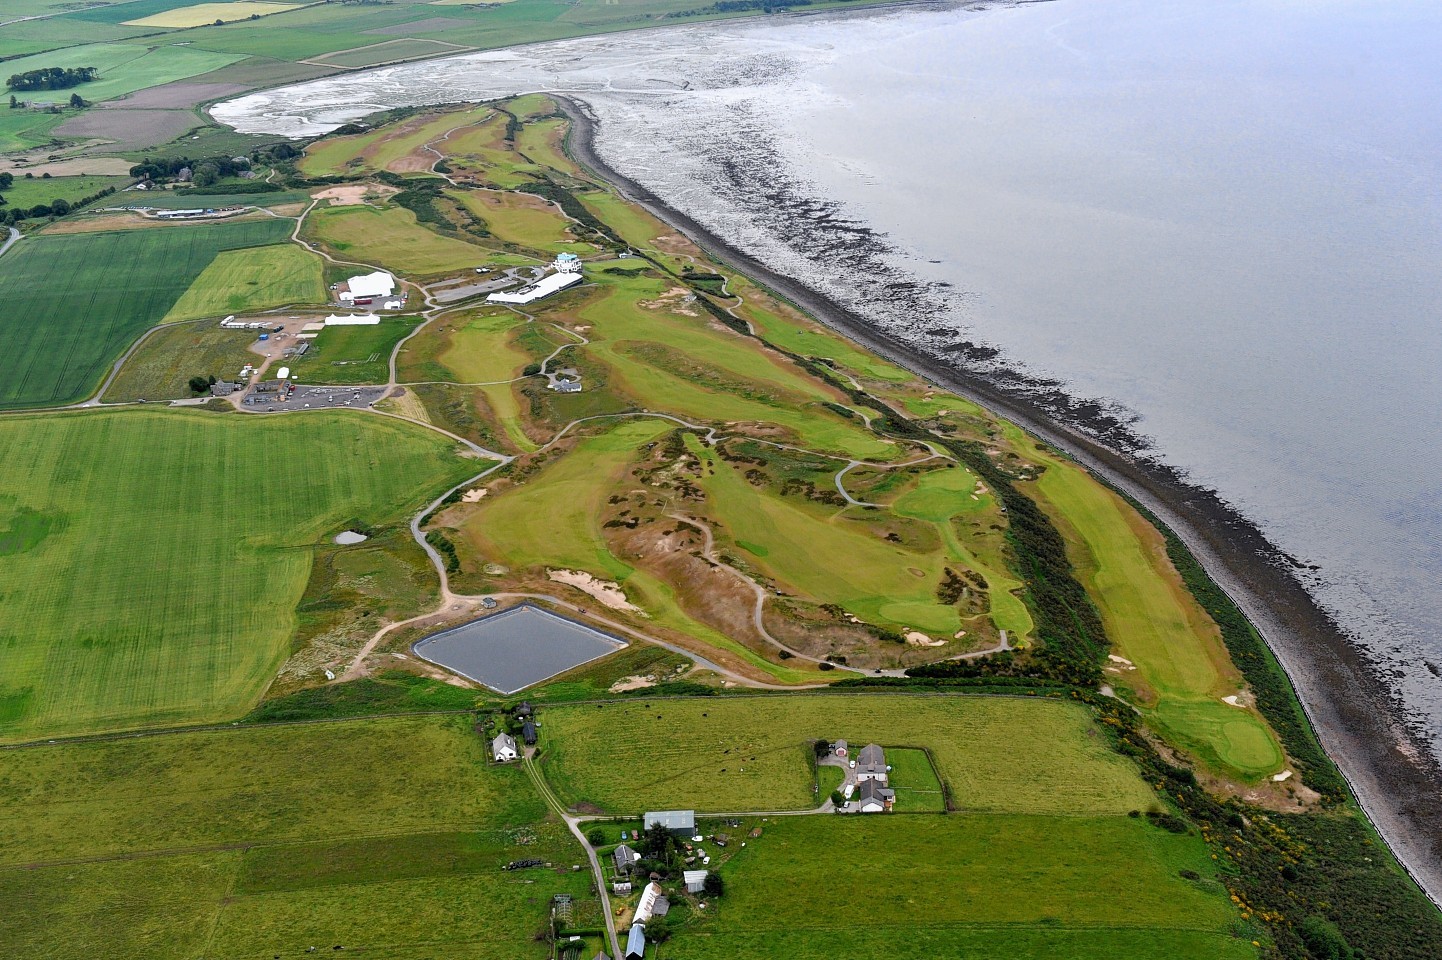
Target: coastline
(1392, 775)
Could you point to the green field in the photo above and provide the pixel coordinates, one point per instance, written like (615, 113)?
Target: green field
(391, 237)
(36, 190)
(76, 301)
(1181, 667)
(521, 219)
(915, 783)
(124, 67)
(239, 281)
(163, 365)
(973, 886)
(352, 354)
(378, 149)
(384, 837)
(997, 755)
(152, 561)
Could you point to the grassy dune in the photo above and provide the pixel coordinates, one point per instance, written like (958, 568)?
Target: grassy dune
(261, 841)
(152, 561)
(998, 755)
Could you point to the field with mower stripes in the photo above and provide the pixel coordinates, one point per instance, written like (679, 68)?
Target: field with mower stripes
(75, 302)
(151, 561)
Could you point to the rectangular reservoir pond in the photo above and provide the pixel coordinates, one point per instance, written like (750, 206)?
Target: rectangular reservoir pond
(513, 649)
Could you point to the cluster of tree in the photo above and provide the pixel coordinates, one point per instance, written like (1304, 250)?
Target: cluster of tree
(201, 384)
(76, 101)
(275, 153)
(52, 78)
(55, 208)
(203, 172)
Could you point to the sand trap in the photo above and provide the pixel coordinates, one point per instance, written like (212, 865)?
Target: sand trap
(474, 496)
(1122, 660)
(632, 683)
(349, 537)
(1284, 775)
(610, 594)
(918, 639)
(1235, 701)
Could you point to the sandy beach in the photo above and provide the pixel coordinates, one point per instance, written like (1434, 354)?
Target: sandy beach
(1392, 774)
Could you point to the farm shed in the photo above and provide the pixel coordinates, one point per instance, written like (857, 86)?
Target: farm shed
(528, 733)
(839, 748)
(503, 748)
(695, 880)
(650, 897)
(636, 943)
(681, 823)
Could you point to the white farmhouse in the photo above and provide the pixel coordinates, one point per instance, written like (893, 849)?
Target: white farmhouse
(503, 748)
(871, 764)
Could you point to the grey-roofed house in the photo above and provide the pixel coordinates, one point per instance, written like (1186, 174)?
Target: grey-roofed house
(503, 748)
(222, 388)
(875, 797)
(636, 942)
(603, 955)
(528, 733)
(681, 823)
(625, 859)
(871, 764)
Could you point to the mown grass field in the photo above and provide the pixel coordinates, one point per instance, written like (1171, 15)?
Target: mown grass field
(179, 606)
(992, 885)
(239, 281)
(998, 755)
(391, 237)
(352, 354)
(29, 192)
(76, 301)
(124, 67)
(381, 836)
(1182, 671)
(163, 365)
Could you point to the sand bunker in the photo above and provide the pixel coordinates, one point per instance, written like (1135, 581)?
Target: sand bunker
(608, 593)
(474, 496)
(349, 537)
(918, 639)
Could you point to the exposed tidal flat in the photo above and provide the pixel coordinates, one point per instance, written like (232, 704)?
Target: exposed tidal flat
(1221, 221)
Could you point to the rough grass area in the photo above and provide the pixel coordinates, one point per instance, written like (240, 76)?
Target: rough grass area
(180, 606)
(239, 281)
(358, 354)
(996, 754)
(1181, 669)
(162, 366)
(815, 888)
(382, 148)
(384, 837)
(391, 237)
(75, 302)
(521, 219)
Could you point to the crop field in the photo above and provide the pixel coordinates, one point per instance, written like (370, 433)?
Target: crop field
(77, 301)
(163, 365)
(179, 607)
(993, 885)
(263, 841)
(1181, 670)
(239, 281)
(997, 755)
(352, 354)
(201, 14)
(391, 237)
(124, 67)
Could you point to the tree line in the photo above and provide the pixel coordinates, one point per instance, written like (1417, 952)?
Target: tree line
(52, 78)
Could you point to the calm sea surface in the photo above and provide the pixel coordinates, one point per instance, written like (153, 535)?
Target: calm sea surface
(1224, 219)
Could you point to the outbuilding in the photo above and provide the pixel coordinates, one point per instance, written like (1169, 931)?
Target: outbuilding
(528, 733)
(680, 823)
(368, 287)
(695, 880)
(636, 943)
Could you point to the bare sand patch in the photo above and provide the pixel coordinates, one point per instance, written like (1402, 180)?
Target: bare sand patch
(354, 194)
(607, 592)
(918, 639)
(634, 682)
(474, 495)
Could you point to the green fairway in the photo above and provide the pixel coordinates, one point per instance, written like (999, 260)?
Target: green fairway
(381, 149)
(483, 349)
(553, 520)
(521, 219)
(391, 237)
(385, 837)
(729, 755)
(238, 281)
(1181, 670)
(968, 886)
(179, 605)
(76, 301)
